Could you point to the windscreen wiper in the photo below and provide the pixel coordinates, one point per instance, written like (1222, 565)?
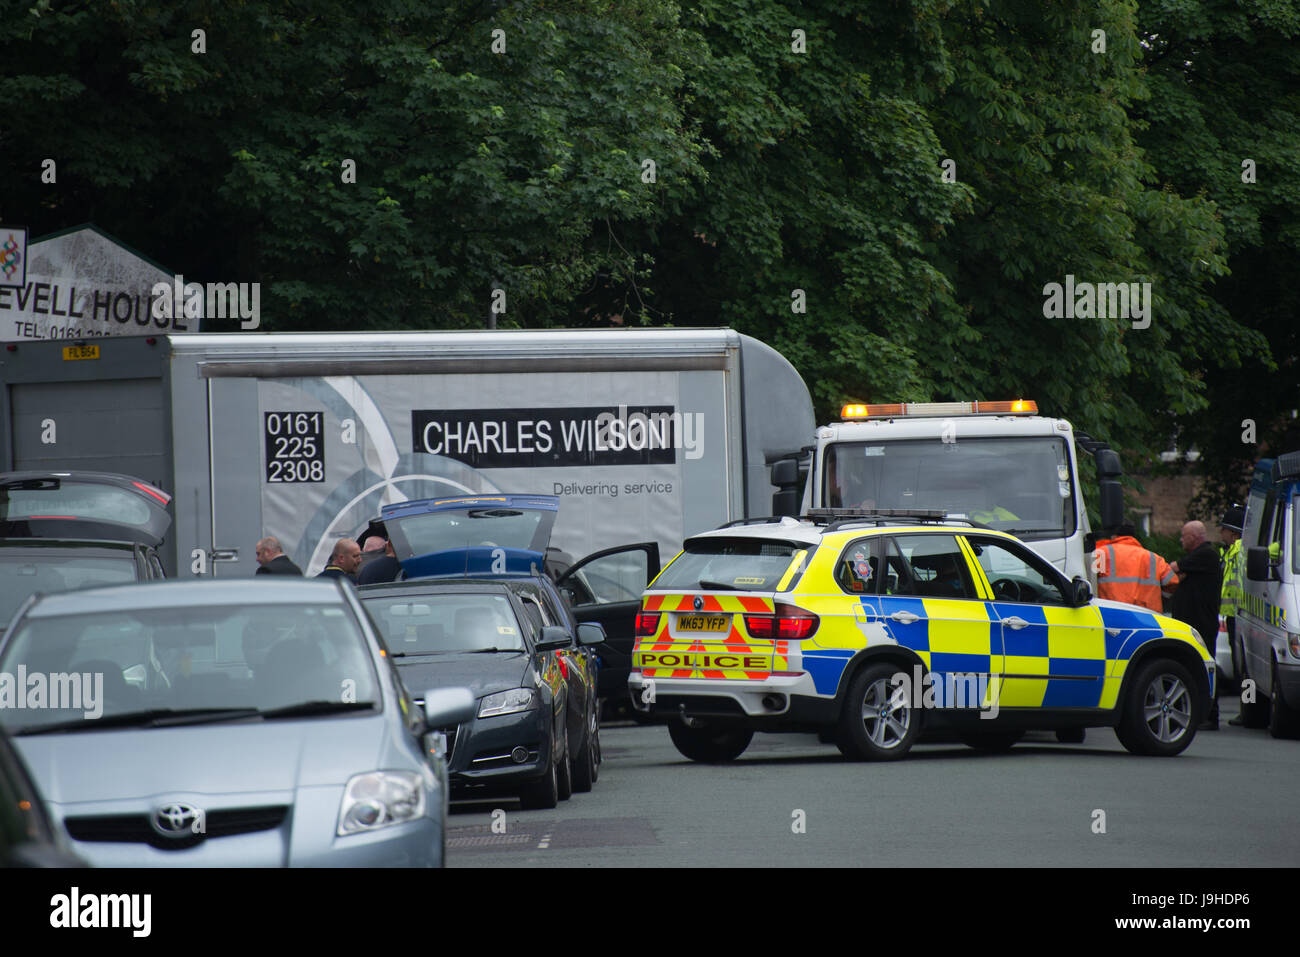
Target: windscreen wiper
(717, 586)
(309, 708)
(153, 717)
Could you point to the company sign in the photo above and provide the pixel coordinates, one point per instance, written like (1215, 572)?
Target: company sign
(80, 284)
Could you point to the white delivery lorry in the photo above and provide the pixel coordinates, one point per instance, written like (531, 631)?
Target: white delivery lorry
(1268, 638)
(999, 463)
(645, 435)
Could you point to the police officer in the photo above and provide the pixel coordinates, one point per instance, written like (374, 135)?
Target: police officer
(1233, 571)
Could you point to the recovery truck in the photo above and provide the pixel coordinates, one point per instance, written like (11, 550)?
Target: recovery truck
(999, 463)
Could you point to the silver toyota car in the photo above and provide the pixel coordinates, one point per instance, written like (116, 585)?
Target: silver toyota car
(225, 723)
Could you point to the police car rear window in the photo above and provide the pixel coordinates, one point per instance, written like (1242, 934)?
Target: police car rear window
(730, 564)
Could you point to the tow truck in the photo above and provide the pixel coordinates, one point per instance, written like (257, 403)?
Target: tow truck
(997, 463)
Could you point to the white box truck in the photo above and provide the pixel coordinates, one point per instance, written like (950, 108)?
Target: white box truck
(645, 435)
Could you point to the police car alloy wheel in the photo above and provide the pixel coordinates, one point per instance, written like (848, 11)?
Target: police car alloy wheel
(878, 722)
(1161, 709)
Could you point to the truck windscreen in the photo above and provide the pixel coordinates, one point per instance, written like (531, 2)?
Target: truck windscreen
(1022, 485)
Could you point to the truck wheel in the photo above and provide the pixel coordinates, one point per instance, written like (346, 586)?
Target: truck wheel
(542, 794)
(709, 744)
(1161, 710)
(1283, 720)
(991, 741)
(564, 776)
(878, 723)
(1254, 714)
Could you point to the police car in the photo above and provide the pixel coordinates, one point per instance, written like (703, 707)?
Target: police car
(867, 626)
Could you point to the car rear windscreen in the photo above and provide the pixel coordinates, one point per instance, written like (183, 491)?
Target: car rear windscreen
(23, 574)
(734, 564)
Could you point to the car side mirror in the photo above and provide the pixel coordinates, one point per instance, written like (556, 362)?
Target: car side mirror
(1258, 567)
(1080, 592)
(554, 638)
(591, 633)
(447, 706)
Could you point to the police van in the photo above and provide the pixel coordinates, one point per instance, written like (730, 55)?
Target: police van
(1268, 636)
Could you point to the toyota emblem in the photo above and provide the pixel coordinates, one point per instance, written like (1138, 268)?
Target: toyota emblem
(699, 602)
(176, 820)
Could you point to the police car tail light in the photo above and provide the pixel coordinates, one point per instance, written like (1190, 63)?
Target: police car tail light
(788, 623)
(647, 623)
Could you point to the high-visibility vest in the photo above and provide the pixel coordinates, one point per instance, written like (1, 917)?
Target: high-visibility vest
(1128, 572)
(1233, 561)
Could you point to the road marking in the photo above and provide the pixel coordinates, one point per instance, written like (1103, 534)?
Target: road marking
(545, 842)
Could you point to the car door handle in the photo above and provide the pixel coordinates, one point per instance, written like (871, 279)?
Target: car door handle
(1016, 623)
(906, 617)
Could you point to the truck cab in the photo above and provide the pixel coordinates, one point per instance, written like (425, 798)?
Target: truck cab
(997, 463)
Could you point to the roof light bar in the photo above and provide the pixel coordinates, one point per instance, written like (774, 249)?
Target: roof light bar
(860, 410)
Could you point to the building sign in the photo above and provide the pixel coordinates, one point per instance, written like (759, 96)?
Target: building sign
(80, 284)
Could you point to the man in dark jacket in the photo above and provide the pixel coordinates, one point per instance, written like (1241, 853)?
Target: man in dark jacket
(271, 559)
(345, 559)
(1196, 599)
(385, 568)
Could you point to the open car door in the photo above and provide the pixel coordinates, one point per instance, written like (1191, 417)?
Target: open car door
(606, 587)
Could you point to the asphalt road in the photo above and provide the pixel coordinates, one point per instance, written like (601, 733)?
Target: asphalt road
(1228, 800)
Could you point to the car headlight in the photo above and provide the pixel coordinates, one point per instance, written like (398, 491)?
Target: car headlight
(507, 702)
(380, 798)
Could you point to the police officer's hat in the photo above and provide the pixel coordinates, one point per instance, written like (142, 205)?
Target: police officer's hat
(1233, 519)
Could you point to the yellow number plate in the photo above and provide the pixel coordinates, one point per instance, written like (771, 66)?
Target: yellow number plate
(703, 623)
(80, 352)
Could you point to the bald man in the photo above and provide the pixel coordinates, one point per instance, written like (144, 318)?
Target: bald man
(271, 559)
(1196, 599)
(345, 559)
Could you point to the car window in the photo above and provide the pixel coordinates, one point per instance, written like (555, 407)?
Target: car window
(621, 576)
(23, 574)
(1017, 574)
(858, 570)
(928, 566)
(430, 624)
(264, 657)
(741, 564)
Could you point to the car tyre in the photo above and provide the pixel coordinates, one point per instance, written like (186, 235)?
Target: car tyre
(584, 769)
(564, 776)
(542, 794)
(709, 744)
(1283, 720)
(991, 741)
(877, 722)
(1071, 735)
(1162, 710)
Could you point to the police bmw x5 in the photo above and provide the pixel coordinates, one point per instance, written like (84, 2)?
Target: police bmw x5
(865, 626)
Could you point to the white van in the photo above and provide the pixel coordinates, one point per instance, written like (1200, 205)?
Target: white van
(1268, 635)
